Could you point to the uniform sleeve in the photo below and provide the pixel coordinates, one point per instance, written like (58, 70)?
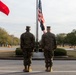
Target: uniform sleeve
(21, 42)
(42, 42)
(55, 45)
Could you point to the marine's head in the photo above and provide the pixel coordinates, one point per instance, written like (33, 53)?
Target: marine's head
(27, 28)
(48, 28)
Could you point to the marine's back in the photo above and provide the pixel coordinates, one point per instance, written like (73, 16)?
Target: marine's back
(27, 39)
(48, 39)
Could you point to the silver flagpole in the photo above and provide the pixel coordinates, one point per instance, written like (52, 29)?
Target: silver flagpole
(36, 25)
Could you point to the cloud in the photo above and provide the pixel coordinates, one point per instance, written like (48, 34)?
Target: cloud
(60, 10)
(60, 14)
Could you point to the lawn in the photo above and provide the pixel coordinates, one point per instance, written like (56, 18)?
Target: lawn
(7, 53)
(11, 53)
(71, 53)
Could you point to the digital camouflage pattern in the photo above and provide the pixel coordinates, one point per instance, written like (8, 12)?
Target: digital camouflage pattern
(27, 40)
(48, 43)
(27, 43)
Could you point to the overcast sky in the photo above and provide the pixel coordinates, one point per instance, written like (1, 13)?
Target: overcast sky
(59, 14)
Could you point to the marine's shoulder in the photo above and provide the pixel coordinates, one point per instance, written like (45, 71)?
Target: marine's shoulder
(44, 34)
(52, 34)
(22, 34)
(31, 33)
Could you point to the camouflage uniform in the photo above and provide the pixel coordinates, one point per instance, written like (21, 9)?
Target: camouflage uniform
(27, 40)
(49, 45)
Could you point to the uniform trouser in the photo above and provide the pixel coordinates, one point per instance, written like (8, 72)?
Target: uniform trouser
(48, 58)
(27, 55)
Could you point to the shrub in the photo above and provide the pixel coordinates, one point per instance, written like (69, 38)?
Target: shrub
(60, 52)
(40, 50)
(18, 52)
(57, 52)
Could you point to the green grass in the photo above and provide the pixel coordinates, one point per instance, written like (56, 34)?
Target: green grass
(5, 54)
(71, 53)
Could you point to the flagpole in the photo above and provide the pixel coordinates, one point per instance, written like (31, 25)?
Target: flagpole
(36, 25)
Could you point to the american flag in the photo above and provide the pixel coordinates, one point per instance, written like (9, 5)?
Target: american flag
(40, 16)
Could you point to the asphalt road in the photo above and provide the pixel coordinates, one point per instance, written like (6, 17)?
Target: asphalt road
(60, 67)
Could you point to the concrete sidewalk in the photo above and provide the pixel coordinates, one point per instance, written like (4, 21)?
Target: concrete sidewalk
(37, 58)
(60, 67)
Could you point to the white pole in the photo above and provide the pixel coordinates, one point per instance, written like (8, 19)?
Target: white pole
(37, 24)
(36, 20)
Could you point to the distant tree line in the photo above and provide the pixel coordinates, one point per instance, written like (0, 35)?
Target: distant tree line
(62, 38)
(67, 39)
(6, 39)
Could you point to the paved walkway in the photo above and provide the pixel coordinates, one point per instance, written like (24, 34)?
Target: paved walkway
(60, 67)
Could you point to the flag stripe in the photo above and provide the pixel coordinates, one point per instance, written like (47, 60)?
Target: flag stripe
(40, 16)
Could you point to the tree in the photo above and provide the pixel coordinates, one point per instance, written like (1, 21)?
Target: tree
(6, 39)
(61, 39)
(71, 38)
(3, 36)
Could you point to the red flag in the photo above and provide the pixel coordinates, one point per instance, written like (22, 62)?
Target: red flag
(4, 8)
(40, 17)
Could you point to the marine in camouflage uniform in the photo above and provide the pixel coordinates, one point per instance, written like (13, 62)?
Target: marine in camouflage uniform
(49, 45)
(27, 43)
